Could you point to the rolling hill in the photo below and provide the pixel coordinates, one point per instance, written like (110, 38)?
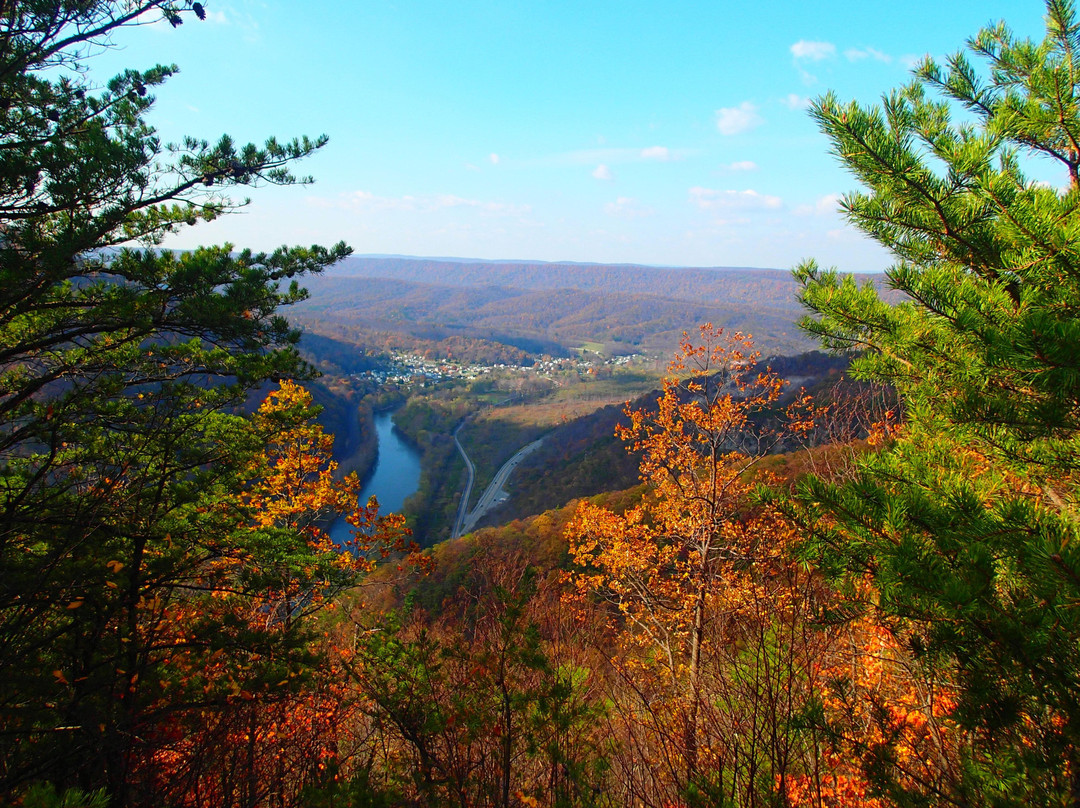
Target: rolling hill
(541, 307)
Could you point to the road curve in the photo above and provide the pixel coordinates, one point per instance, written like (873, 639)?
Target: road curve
(463, 505)
(495, 487)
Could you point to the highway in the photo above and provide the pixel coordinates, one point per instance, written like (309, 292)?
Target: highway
(493, 494)
(463, 506)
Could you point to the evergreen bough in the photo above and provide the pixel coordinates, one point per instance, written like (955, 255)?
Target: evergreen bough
(121, 370)
(965, 526)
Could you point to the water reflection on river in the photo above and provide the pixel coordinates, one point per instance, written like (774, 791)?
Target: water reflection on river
(396, 475)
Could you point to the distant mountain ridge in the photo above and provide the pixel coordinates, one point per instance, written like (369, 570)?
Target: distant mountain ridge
(450, 259)
(624, 307)
(698, 284)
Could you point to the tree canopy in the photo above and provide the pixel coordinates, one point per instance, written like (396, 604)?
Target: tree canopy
(144, 520)
(902, 630)
(966, 527)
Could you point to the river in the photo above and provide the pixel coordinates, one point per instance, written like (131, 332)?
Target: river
(395, 477)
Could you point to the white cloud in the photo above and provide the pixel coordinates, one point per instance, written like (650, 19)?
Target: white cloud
(609, 156)
(626, 207)
(813, 51)
(710, 199)
(153, 16)
(240, 20)
(856, 54)
(452, 201)
(830, 203)
(825, 205)
(733, 120)
(740, 165)
(494, 158)
(795, 101)
(366, 200)
(602, 172)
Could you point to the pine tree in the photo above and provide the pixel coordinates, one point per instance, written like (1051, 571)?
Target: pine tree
(965, 526)
(121, 463)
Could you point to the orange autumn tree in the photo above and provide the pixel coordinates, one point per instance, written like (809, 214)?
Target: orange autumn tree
(240, 642)
(878, 705)
(294, 486)
(708, 610)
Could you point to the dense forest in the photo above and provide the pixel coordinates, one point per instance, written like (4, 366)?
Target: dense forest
(341, 347)
(749, 287)
(861, 597)
(584, 456)
(554, 319)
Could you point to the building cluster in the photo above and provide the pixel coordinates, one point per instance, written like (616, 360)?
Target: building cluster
(412, 368)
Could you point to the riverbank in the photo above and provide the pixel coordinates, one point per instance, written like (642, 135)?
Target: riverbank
(361, 446)
(393, 476)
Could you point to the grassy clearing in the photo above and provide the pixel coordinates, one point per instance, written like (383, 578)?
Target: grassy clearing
(591, 347)
(576, 397)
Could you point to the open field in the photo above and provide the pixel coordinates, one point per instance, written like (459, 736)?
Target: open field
(576, 399)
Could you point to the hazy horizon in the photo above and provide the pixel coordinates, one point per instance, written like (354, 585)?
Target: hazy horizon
(616, 133)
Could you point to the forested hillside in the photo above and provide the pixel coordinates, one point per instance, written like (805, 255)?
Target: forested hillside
(765, 288)
(552, 308)
(864, 594)
(584, 456)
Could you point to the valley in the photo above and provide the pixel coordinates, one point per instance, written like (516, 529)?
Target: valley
(646, 536)
(551, 309)
(483, 359)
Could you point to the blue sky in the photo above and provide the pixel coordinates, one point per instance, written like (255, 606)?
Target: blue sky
(669, 133)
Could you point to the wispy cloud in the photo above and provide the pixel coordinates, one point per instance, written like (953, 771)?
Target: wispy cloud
(857, 54)
(823, 206)
(239, 17)
(740, 165)
(153, 15)
(710, 199)
(422, 203)
(735, 120)
(813, 51)
(626, 207)
(610, 156)
(795, 101)
(494, 158)
(602, 172)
